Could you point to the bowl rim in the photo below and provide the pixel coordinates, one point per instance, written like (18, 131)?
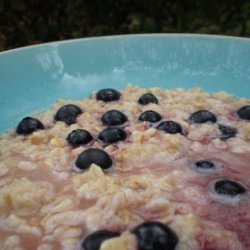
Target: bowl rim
(66, 41)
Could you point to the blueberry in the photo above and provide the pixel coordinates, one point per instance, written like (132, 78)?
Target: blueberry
(112, 135)
(202, 116)
(150, 116)
(155, 236)
(28, 125)
(147, 98)
(229, 188)
(93, 241)
(244, 112)
(79, 137)
(114, 117)
(227, 132)
(170, 127)
(93, 155)
(68, 114)
(108, 95)
(204, 164)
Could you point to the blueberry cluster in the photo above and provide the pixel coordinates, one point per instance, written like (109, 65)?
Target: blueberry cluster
(152, 116)
(113, 133)
(115, 118)
(204, 116)
(151, 235)
(224, 187)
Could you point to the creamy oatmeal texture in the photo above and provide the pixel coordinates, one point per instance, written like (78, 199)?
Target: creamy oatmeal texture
(161, 174)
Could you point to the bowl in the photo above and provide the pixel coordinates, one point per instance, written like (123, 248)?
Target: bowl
(33, 78)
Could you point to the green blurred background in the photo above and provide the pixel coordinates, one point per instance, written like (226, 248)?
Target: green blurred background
(30, 22)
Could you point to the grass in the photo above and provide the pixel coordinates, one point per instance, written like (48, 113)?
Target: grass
(30, 22)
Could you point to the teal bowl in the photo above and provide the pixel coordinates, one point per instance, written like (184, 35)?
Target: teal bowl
(33, 78)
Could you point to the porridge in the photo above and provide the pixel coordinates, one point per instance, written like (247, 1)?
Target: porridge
(139, 169)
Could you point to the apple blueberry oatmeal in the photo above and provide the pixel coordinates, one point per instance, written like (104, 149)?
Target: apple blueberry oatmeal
(140, 169)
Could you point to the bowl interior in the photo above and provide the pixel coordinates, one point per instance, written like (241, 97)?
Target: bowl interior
(33, 78)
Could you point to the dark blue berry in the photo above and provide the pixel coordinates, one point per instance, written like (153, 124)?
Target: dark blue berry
(155, 236)
(244, 112)
(206, 167)
(28, 125)
(93, 241)
(202, 116)
(227, 132)
(204, 164)
(114, 117)
(229, 188)
(150, 116)
(79, 137)
(68, 114)
(112, 135)
(170, 127)
(108, 95)
(148, 98)
(93, 155)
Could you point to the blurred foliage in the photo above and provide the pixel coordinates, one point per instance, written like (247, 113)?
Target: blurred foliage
(37, 21)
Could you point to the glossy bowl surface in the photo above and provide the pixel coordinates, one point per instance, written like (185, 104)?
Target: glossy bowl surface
(33, 78)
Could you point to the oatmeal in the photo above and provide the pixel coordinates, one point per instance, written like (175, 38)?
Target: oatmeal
(134, 169)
